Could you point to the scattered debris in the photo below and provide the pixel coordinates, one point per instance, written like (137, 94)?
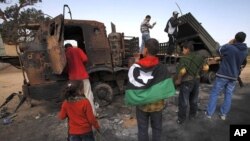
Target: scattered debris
(11, 96)
(120, 122)
(102, 115)
(9, 119)
(38, 116)
(129, 122)
(8, 99)
(4, 113)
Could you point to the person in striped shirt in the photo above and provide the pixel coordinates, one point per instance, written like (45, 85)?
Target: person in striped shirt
(145, 26)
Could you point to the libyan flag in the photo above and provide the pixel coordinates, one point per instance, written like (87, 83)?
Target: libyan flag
(148, 85)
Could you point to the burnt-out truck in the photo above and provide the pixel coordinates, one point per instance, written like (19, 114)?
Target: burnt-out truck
(43, 60)
(109, 56)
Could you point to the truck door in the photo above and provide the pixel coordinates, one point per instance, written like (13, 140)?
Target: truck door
(55, 45)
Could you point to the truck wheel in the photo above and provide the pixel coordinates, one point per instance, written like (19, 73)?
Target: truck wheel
(103, 94)
(211, 77)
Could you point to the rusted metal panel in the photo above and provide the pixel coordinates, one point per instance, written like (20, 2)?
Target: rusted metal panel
(99, 56)
(55, 45)
(93, 40)
(57, 56)
(131, 49)
(117, 48)
(45, 91)
(34, 66)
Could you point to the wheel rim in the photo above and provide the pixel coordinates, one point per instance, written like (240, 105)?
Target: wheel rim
(211, 77)
(103, 94)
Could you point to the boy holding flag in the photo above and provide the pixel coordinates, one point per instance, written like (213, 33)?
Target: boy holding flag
(149, 84)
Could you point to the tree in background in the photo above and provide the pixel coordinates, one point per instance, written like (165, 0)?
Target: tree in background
(16, 19)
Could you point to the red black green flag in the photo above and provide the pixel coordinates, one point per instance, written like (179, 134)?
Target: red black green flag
(148, 85)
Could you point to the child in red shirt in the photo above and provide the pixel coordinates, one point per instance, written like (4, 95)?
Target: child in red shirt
(78, 110)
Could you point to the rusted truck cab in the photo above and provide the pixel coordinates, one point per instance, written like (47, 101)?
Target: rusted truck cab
(43, 60)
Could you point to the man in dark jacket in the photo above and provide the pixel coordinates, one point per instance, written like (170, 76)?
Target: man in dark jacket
(172, 30)
(233, 55)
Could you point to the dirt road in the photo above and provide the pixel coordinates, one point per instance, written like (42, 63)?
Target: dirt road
(40, 122)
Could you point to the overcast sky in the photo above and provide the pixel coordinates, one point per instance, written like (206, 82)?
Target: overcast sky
(221, 18)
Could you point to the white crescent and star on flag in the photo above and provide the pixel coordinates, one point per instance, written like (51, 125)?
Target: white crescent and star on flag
(144, 76)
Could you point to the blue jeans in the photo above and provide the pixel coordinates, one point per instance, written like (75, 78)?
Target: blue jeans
(84, 137)
(221, 84)
(189, 91)
(145, 37)
(143, 122)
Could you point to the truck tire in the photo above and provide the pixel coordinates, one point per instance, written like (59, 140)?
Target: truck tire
(211, 77)
(103, 94)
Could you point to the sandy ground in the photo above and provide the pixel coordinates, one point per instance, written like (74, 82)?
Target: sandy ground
(40, 122)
